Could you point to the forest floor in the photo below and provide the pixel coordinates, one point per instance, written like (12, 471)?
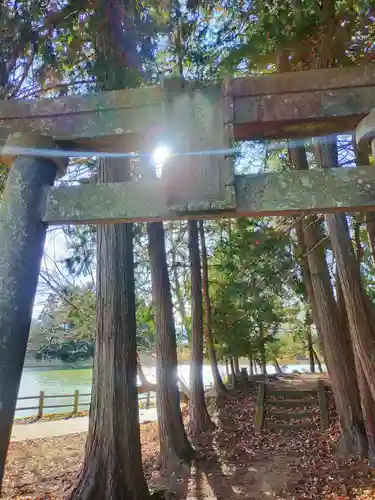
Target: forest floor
(239, 464)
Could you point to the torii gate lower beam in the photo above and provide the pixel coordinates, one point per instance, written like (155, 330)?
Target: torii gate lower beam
(277, 194)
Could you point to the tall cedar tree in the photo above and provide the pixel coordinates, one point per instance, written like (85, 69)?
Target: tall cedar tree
(174, 444)
(199, 418)
(218, 382)
(112, 466)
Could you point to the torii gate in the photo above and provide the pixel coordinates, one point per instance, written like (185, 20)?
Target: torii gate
(200, 122)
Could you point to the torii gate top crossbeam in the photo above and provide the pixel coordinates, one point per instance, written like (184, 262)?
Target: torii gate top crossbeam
(204, 119)
(297, 104)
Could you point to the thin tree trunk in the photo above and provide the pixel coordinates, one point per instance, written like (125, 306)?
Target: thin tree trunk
(176, 281)
(140, 372)
(262, 350)
(337, 344)
(174, 444)
(362, 158)
(317, 360)
(236, 365)
(227, 367)
(233, 370)
(277, 366)
(310, 350)
(199, 418)
(251, 366)
(112, 466)
(218, 383)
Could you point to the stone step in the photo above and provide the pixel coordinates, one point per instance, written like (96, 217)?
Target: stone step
(288, 427)
(286, 415)
(290, 394)
(292, 402)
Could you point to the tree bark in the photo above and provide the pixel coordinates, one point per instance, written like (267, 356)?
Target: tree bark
(251, 365)
(236, 365)
(338, 346)
(227, 367)
(262, 350)
(177, 285)
(367, 402)
(310, 350)
(141, 373)
(337, 343)
(357, 310)
(277, 366)
(362, 158)
(316, 357)
(218, 382)
(112, 466)
(358, 313)
(174, 444)
(232, 368)
(199, 418)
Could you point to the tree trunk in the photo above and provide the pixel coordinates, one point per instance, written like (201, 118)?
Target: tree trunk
(141, 373)
(359, 314)
(277, 366)
(356, 309)
(367, 402)
(317, 360)
(176, 281)
(199, 418)
(337, 343)
(174, 444)
(262, 350)
(251, 366)
(227, 367)
(310, 350)
(218, 383)
(362, 158)
(236, 365)
(338, 346)
(112, 466)
(232, 368)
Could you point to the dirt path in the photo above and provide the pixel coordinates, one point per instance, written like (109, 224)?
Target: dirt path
(52, 428)
(238, 464)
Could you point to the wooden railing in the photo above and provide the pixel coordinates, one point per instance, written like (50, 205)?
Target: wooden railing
(75, 402)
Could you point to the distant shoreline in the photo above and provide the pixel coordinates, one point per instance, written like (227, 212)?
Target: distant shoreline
(56, 364)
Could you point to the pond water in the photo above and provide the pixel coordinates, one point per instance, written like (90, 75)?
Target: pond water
(61, 381)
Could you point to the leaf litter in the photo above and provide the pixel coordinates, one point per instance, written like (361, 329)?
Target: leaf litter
(239, 464)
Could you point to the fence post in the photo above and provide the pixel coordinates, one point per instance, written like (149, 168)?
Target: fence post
(76, 402)
(259, 414)
(148, 400)
(41, 404)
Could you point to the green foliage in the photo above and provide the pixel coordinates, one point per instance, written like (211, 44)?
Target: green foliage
(249, 273)
(66, 326)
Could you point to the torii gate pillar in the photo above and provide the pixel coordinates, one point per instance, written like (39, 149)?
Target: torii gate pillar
(22, 237)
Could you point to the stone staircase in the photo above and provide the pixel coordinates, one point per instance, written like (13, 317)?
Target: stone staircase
(291, 409)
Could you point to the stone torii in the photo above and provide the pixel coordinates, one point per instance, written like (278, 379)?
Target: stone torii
(200, 121)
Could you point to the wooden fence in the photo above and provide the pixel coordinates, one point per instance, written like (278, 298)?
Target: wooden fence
(75, 402)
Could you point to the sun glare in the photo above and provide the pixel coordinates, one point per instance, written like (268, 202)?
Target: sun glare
(160, 155)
